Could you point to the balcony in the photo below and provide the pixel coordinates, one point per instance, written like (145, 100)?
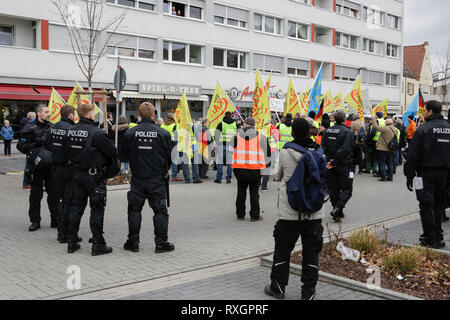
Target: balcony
(323, 35)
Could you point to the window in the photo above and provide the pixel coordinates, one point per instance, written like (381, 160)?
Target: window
(373, 77)
(392, 50)
(229, 59)
(344, 40)
(132, 46)
(129, 3)
(410, 88)
(268, 24)
(373, 46)
(392, 21)
(182, 52)
(6, 36)
(298, 30)
(147, 5)
(231, 16)
(266, 63)
(345, 73)
(348, 8)
(391, 79)
(185, 8)
(298, 67)
(141, 4)
(373, 16)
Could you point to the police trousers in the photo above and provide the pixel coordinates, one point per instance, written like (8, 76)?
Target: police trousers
(340, 186)
(84, 187)
(432, 202)
(286, 234)
(153, 190)
(48, 180)
(64, 175)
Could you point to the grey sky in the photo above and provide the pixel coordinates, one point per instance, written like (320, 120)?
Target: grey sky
(428, 20)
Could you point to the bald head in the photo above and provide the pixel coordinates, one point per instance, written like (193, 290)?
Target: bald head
(389, 121)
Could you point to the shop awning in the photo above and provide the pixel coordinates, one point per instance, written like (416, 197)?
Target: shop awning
(137, 95)
(39, 93)
(190, 98)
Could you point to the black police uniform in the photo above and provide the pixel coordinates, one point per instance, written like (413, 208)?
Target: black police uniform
(34, 136)
(429, 158)
(337, 143)
(90, 150)
(56, 142)
(148, 149)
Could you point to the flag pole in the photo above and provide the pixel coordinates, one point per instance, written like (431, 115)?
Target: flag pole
(309, 95)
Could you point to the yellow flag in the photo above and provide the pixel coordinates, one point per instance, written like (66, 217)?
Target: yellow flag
(354, 98)
(292, 102)
(184, 123)
(268, 82)
(382, 107)
(84, 100)
(220, 104)
(328, 102)
(305, 102)
(338, 102)
(258, 94)
(54, 104)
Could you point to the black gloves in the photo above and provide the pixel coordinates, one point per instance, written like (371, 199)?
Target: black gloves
(409, 183)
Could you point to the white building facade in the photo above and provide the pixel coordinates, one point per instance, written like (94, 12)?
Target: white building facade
(170, 46)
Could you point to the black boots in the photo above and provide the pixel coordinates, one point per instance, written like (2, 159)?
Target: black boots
(165, 247)
(63, 239)
(100, 248)
(34, 226)
(268, 290)
(337, 214)
(131, 246)
(72, 247)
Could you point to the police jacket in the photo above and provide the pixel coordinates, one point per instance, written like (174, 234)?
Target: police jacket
(33, 136)
(89, 147)
(56, 139)
(337, 144)
(148, 148)
(430, 147)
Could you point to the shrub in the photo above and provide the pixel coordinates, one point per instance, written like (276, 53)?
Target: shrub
(428, 253)
(364, 240)
(402, 260)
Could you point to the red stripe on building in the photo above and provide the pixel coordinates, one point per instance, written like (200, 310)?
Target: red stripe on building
(314, 3)
(334, 37)
(333, 69)
(44, 34)
(312, 69)
(334, 5)
(312, 32)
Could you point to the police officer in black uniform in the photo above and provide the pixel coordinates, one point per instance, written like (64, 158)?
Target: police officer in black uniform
(337, 143)
(34, 136)
(56, 140)
(91, 154)
(429, 159)
(148, 149)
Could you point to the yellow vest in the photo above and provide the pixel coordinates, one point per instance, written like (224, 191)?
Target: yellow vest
(169, 127)
(285, 135)
(381, 123)
(228, 131)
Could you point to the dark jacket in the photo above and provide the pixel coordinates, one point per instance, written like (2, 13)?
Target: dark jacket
(430, 147)
(251, 175)
(402, 129)
(33, 136)
(123, 128)
(337, 144)
(148, 148)
(57, 138)
(89, 147)
(110, 132)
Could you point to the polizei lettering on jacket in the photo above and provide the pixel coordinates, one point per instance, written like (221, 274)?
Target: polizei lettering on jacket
(146, 134)
(78, 133)
(58, 132)
(333, 130)
(441, 130)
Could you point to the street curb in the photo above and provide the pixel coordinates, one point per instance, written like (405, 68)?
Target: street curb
(267, 261)
(436, 250)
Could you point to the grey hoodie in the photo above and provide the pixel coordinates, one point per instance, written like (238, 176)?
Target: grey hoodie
(284, 168)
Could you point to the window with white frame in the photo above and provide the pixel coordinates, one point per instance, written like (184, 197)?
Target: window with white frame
(345, 73)
(231, 16)
(229, 59)
(348, 8)
(268, 24)
(298, 30)
(132, 46)
(182, 52)
(185, 8)
(373, 46)
(373, 16)
(392, 50)
(392, 21)
(298, 67)
(391, 79)
(6, 35)
(268, 63)
(345, 40)
(372, 77)
(141, 4)
(59, 38)
(302, 1)
(410, 88)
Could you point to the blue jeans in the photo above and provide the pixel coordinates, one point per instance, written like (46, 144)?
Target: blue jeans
(185, 166)
(398, 157)
(385, 159)
(224, 158)
(125, 166)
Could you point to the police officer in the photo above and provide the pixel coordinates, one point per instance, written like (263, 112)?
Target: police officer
(56, 142)
(337, 143)
(429, 160)
(34, 136)
(94, 159)
(148, 149)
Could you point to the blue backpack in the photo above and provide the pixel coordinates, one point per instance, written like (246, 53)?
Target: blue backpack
(306, 188)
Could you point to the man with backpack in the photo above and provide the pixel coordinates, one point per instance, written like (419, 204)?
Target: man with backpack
(359, 131)
(386, 147)
(337, 144)
(305, 219)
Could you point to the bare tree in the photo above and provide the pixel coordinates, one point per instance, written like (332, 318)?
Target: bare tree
(443, 65)
(90, 31)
